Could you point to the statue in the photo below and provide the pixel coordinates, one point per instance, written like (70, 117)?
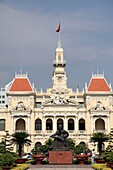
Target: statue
(60, 139)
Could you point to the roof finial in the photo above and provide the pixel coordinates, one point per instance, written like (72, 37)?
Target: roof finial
(21, 71)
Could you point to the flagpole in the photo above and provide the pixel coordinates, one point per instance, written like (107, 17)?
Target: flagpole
(59, 37)
(59, 40)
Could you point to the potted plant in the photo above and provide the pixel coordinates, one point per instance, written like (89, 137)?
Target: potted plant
(81, 155)
(100, 138)
(108, 157)
(37, 154)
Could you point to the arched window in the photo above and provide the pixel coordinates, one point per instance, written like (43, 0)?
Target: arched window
(60, 121)
(70, 124)
(100, 124)
(49, 124)
(82, 143)
(38, 124)
(81, 124)
(38, 144)
(2, 124)
(59, 58)
(20, 124)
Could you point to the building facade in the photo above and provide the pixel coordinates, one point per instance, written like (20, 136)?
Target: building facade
(80, 112)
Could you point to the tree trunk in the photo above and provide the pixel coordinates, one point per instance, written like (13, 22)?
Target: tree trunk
(100, 149)
(20, 150)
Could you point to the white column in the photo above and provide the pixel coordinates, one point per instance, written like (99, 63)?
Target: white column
(28, 124)
(54, 124)
(76, 124)
(108, 124)
(43, 124)
(92, 125)
(65, 123)
(12, 123)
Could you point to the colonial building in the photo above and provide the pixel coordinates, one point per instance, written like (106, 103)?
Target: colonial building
(80, 112)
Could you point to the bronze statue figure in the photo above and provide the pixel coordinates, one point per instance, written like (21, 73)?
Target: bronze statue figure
(60, 139)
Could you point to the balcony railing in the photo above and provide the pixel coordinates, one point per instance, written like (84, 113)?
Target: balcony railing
(20, 131)
(49, 131)
(38, 131)
(71, 131)
(82, 131)
(102, 131)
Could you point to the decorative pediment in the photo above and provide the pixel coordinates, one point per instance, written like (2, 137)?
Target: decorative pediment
(99, 107)
(20, 107)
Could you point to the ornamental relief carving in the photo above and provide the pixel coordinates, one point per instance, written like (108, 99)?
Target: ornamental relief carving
(60, 100)
(99, 107)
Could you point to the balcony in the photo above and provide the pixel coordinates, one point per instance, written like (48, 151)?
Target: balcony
(102, 131)
(49, 131)
(15, 131)
(71, 131)
(80, 132)
(38, 131)
(55, 63)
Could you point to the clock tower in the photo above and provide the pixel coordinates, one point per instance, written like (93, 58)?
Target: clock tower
(59, 78)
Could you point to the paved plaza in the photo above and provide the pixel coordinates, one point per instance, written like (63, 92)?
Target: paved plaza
(60, 167)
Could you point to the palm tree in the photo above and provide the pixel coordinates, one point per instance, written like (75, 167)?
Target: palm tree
(100, 138)
(20, 139)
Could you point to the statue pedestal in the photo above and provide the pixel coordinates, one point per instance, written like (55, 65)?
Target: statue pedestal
(60, 157)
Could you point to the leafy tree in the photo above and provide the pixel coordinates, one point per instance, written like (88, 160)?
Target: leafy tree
(71, 143)
(5, 145)
(100, 138)
(20, 139)
(110, 141)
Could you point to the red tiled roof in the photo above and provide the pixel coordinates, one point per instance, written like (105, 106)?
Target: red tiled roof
(98, 84)
(20, 84)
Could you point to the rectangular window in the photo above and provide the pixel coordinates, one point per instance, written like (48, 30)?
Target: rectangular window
(2, 125)
(3, 96)
(81, 105)
(38, 105)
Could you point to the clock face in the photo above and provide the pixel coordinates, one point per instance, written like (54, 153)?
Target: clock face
(59, 79)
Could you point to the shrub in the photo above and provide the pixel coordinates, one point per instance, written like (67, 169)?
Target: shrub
(45, 161)
(108, 156)
(87, 161)
(7, 159)
(75, 161)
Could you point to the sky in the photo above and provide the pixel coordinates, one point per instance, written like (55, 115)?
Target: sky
(28, 40)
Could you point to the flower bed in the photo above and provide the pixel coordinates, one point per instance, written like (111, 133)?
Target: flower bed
(99, 166)
(21, 167)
